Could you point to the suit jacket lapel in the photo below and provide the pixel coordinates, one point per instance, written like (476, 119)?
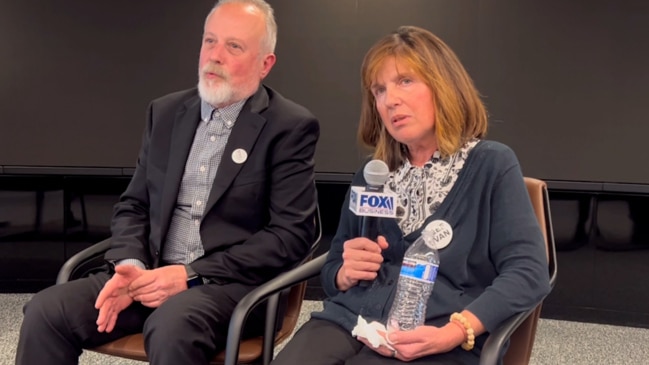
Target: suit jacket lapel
(182, 137)
(244, 134)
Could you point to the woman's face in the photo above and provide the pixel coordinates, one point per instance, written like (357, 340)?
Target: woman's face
(405, 104)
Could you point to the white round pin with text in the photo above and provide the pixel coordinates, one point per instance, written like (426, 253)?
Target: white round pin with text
(239, 155)
(441, 231)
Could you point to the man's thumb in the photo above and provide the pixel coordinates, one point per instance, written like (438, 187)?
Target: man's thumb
(125, 270)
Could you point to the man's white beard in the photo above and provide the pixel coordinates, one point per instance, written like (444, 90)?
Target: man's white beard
(216, 94)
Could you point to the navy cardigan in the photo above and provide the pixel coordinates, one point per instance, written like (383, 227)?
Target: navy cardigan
(495, 265)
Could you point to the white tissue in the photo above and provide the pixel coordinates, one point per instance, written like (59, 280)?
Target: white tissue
(374, 332)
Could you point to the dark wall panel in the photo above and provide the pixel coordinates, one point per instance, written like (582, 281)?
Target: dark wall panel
(76, 76)
(565, 81)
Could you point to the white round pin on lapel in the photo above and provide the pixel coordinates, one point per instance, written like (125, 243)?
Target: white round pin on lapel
(442, 232)
(239, 156)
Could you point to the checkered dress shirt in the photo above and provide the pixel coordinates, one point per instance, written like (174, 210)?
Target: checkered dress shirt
(183, 243)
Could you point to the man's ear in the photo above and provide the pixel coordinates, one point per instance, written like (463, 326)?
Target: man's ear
(268, 62)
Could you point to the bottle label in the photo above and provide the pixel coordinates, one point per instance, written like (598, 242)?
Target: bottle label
(419, 270)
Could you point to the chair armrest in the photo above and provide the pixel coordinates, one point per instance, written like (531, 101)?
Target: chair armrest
(495, 343)
(263, 292)
(88, 254)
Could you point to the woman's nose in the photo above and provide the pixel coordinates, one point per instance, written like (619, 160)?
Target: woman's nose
(391, 97)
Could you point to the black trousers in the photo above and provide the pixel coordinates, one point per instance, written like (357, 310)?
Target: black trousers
(189, 328)
(320, 342)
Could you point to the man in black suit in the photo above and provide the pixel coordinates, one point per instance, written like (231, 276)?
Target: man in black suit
(222, 199)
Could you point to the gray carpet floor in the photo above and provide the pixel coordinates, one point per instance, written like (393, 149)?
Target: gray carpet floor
(557, 342)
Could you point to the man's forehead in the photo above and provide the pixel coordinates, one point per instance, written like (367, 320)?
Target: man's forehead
(236, 23)
(237, 13)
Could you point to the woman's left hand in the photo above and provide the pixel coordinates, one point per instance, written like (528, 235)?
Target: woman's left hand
(420, 342)
(383, 350)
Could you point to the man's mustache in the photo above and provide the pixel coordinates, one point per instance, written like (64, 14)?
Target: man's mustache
(211, 68)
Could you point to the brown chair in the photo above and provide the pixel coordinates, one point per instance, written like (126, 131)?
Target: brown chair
(250, 351)
(520, 329)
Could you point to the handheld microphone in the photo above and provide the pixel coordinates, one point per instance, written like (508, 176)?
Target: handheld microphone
(376, 174)
(370, 202)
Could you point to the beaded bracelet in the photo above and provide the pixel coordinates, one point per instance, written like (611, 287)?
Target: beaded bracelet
(470, 336)
(461, 327)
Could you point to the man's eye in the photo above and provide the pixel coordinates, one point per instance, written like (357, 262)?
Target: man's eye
(235, 46)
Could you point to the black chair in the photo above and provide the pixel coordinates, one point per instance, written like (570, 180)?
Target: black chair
(249, 351)
(520, 329)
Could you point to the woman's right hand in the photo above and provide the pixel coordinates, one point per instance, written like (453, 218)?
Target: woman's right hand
(362, 259)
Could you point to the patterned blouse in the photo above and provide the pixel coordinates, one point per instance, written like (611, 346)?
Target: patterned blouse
(421, 190)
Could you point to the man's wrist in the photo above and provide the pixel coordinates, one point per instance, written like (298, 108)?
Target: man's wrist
(193, 279)
(191, 274)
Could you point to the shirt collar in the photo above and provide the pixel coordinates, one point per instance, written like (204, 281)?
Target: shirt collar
(231, 112)
(206, 111)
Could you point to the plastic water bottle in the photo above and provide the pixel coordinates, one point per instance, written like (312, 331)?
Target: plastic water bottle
(416, 280)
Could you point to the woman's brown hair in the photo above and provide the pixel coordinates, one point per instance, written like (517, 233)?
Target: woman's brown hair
(459, 113)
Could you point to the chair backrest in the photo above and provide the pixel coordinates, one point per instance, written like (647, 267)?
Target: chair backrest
(252, 350)
(296, 294)
(522, 340)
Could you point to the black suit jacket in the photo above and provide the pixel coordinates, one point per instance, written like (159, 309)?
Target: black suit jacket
(259, 218)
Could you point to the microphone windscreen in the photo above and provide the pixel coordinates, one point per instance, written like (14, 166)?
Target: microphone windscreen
(376, 173)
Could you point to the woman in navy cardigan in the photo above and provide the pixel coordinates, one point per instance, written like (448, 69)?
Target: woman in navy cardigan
(422, 115)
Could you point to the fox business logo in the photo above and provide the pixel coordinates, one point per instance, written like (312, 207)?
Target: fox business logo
(365, 203)
(379, 202)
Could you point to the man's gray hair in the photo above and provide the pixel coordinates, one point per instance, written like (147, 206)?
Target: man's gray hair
(270, 40)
